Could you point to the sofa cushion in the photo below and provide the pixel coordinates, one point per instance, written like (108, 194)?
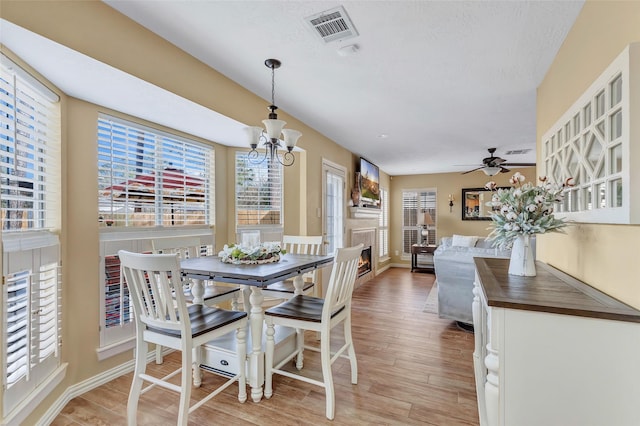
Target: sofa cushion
(463, 241)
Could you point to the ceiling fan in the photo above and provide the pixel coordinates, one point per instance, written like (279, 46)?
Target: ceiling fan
(492, 165)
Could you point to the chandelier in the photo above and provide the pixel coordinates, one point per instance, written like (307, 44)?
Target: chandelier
(270, 137)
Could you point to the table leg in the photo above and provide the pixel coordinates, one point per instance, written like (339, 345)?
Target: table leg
(256, 356)
(298, 284)
(197, 290)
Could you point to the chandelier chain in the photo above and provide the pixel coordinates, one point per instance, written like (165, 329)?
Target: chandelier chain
(273, 85)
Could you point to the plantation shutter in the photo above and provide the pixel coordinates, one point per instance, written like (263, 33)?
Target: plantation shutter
(258, 192)
(383, 225)
(159, 183)
(30, 188)
(149, 178)
(413, 203)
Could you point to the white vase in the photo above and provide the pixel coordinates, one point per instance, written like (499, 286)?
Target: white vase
(522, 262)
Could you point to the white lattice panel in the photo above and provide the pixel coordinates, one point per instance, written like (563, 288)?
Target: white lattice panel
(593, 144)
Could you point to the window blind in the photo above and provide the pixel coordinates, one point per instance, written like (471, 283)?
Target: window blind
(150, 178)
(258, 192)
(29, 152)
(413, 203)
(383, 225)
(30, 193)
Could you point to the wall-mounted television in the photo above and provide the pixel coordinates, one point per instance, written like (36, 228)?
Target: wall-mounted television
(369, 184)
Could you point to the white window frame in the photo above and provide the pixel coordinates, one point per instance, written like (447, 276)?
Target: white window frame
(116, 324)
(31, 295)
(333, 206)
(148, 177)
(416, 201)
(269, 194)
(383, 225)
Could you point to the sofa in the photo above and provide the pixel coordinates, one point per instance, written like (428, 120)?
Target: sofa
(455, 273)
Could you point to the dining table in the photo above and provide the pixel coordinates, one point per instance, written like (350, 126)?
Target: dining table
(255, 277)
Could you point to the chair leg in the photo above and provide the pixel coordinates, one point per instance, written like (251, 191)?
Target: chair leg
(196, 361)
(351, 350)
(241, 337)
(185, 393)
(300, 347)
(268, 359)
(159, 358)
(325, 357)
(136, 384)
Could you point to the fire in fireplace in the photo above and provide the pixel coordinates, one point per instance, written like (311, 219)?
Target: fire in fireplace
(364, 264)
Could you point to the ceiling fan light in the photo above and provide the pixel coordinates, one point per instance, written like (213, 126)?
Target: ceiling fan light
(491, 171)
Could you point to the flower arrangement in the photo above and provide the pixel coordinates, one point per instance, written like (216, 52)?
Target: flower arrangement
(263, 253)
(524, 209)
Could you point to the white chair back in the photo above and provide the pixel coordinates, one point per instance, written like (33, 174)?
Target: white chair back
(341, 281)
(153, 281)
(299, 244)
(185, 247)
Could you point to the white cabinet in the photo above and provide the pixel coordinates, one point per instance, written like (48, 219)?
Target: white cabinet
(553, 351)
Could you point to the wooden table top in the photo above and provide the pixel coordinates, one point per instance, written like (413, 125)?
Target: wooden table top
(290, 265)
(551, 290)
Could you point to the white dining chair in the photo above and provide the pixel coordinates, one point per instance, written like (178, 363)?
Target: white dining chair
(214, 294)
(163, 317)
(304, 312)
(297, 244)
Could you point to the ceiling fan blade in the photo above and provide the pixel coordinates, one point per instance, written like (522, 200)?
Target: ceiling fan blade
(469, 171)
(497, 161)
(518, 164)
(504, 169)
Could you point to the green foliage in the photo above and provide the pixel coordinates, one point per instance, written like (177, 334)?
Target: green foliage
(524, 209)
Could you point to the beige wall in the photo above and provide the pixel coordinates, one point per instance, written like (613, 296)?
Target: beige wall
(448, 222)
(604, 256)
(96, 30)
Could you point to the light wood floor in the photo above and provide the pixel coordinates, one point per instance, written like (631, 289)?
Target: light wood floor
(414, 369)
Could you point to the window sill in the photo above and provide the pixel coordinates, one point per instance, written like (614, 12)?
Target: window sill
(115, 348)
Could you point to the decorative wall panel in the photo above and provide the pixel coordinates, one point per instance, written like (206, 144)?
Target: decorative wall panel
(596, 143)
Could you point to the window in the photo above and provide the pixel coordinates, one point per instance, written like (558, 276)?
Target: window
(30, 192)
(413, 203)
(150, 178)
(383, 225)
(146, 179)
(333, 186)
(258, 192)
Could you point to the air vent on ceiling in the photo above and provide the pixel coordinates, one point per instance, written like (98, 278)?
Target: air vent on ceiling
(517, 152)
(333, 24)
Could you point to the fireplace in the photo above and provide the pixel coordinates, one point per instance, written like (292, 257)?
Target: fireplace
(367, 262)
(364, 264)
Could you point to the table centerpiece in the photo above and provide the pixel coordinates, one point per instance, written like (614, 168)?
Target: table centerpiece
(522, 211)
(238, 254)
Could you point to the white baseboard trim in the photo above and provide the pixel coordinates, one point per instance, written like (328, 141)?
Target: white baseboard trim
(381, 270)
(17, 416)
(89, 384)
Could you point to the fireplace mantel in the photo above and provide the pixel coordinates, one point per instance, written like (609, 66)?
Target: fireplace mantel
(364, 213)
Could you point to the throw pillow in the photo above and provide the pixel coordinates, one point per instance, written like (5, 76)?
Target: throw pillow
(464, 241)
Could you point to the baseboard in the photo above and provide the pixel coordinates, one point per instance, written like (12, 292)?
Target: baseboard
(381, 270)
(90, 384)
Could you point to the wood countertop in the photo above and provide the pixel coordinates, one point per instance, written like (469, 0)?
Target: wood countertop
(551, 290)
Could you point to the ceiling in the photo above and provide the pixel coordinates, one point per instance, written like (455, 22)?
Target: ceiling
(432, 84)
